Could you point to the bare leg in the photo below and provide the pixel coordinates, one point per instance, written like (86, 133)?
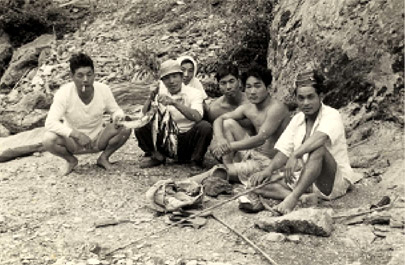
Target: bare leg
(319, 169)
(61, 147)
(233, 132)
(110, 141)
(277, 191)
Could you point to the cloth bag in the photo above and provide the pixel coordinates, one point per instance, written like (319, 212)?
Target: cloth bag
(169, 196)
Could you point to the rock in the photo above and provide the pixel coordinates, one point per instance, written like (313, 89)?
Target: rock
(362, 235)
(93, 262)
(24, 59)
(307, 221)
(31, 101)
(21, 144)
(363, 161)
(294, 238)
(397, 217)
(325, 35)
(60, 261)
(6, 51)
(274, 237)
(17, 122)
(394, 177)
(3, 131)
(397, 257)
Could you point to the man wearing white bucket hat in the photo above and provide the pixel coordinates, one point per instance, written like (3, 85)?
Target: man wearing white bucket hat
(185, 105)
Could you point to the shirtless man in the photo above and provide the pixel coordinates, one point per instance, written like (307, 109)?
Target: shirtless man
(243, 154)
(81, 105)
(229, 85)
(315, 138)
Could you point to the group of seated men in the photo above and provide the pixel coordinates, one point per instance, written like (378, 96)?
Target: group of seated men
(251, 133)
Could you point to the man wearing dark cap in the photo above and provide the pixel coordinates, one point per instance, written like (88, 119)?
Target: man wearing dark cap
(312, 152)
(185, 105)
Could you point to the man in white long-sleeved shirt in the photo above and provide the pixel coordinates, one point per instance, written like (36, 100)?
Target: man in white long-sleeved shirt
(75, 120)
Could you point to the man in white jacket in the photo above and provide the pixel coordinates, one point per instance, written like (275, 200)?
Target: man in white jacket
(75, 120)
(312, 153)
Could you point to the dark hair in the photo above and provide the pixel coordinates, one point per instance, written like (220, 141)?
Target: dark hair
(187, 61)
(227, 69)
(259, 72)
(80, 60)
(313, 78)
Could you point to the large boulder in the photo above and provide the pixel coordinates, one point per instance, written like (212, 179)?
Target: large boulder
(3, 131)
(30, 112)
(357, 44)
(21, 144)
(24, 59)
(6, 51)
(311, 221)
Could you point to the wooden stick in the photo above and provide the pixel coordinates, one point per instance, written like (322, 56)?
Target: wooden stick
(247, 240)
(201, 213)
(366, 211)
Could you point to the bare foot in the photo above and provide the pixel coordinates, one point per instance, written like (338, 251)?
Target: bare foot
(103, 162)
(70, 165)
(310, 199)
(287, 205)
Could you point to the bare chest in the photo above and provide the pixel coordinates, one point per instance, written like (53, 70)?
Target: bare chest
(257, 118)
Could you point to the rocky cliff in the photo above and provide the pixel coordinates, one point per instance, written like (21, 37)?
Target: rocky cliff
(357, 44)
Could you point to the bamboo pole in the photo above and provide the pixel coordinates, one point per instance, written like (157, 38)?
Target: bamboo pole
(247, 240)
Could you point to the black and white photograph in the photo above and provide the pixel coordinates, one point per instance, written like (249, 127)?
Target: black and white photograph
(202, 132)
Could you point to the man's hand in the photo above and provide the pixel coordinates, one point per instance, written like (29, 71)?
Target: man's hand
(221, 148)
(259, 178)
(166, 100)
(290, 168)
(81, 138)
(117, 119)
(154, 90)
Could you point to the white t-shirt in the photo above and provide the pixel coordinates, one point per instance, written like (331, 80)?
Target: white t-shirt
(189, 97)
(88, 119)
(329, 122)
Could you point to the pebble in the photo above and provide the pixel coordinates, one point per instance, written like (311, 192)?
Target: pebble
(294, 238)
(93, 262)
(81, 190)
(274, 237)
(77, 220)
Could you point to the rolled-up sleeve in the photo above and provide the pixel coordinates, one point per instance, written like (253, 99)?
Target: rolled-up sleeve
(196, 102)
(332, 125)
(57, 111)
(285, 143)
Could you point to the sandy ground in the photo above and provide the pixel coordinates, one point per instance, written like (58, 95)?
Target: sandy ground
(48, 219)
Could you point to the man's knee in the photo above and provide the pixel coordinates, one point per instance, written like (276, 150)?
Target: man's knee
(205, 127)
(318, 153)
(230, 124)
(51, 139)
(124, 132)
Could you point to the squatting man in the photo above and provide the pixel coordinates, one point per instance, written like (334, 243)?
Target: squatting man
(75, 122)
